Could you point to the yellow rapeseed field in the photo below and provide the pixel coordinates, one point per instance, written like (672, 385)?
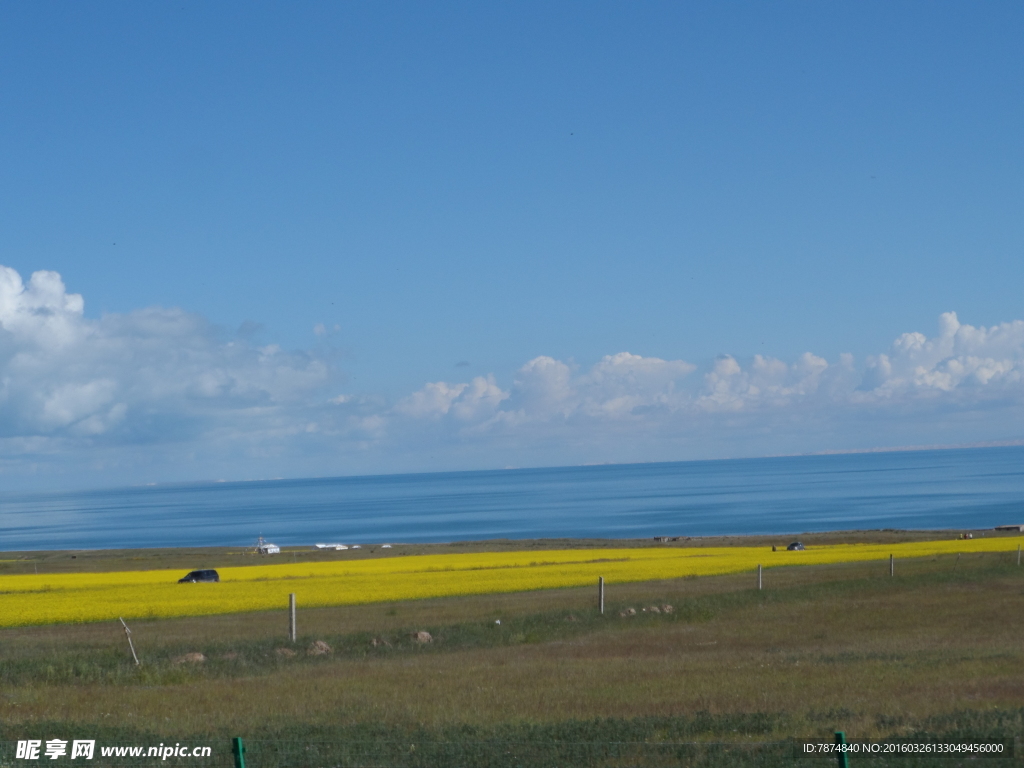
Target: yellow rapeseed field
(64, 598)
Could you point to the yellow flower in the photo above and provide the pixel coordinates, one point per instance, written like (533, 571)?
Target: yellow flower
(64, 598)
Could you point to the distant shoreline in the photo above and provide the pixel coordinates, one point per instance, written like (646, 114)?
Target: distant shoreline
(157, 558)
(911, 448)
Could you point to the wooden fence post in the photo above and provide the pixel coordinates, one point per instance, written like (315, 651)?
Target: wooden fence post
(292, 635)
(892, 567)
(758, 575)
(600, 594)
(128, 634)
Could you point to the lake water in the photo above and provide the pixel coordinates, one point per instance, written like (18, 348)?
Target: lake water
(971, 488)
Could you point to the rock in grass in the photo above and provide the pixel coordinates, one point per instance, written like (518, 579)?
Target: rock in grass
(319, 648)
(667, 609)
(379, 641)
(285, 652)
(190, 658)
(628, 612)
(422, 637)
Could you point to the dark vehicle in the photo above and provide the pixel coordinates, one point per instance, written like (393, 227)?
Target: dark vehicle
(796, 546)
(194, 576)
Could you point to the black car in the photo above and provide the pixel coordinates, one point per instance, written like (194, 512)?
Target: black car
(796, 546)
(194, 576)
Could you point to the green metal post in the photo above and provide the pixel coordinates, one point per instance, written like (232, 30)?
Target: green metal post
(841, 757)
(238, 750)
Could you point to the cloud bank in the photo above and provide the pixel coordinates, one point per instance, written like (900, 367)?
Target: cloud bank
(960, 369)
(153, 376)
(161, 394)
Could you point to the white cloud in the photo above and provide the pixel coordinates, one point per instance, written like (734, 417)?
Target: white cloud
(152, 371)
(621, 384)
(960, 367)
(434, 400)
(41, 312)
(960, 360)
(479, 397)
(165, 387)
(545, 389)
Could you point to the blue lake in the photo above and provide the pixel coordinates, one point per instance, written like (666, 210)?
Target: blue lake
(970, 488)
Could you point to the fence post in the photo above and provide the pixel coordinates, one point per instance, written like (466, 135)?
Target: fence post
(758, 575)
(841, 756)
(128, 634)
(892, 567)
(291, 618)
(238, 750)
(600, 594)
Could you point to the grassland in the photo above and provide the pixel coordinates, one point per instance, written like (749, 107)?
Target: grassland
(935, 650)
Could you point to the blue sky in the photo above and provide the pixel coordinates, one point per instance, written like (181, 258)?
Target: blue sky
(325, 238)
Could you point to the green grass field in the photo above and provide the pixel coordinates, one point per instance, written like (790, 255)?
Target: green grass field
(726, 678)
